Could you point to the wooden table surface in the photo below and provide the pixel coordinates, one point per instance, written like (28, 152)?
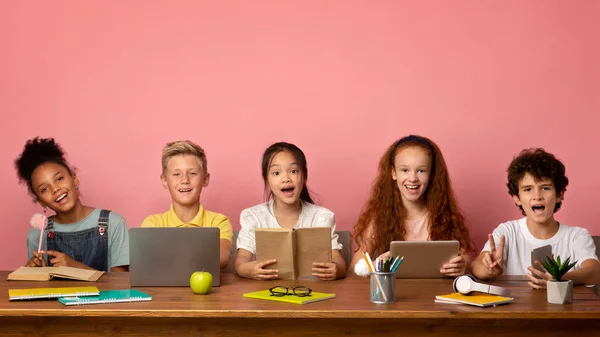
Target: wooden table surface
(225, 312)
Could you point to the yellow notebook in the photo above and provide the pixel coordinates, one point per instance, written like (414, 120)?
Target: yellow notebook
(266, 295)
(477, 299)
(38, 293)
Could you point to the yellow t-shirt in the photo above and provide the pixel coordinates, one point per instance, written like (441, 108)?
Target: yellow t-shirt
(204, 218)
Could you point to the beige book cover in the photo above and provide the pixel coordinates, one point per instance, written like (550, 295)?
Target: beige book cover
(46, 273)
(294, 249)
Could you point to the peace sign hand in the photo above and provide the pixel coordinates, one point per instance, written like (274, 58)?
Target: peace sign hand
(492, 261)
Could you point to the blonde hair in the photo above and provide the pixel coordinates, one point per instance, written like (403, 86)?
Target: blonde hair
(182, 147)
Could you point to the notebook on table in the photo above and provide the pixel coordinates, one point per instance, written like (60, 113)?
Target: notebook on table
(266, 295)
(46, 273)
(40, 293)
(477, 299)
(423, 259)
(169, 256)
(107, 296)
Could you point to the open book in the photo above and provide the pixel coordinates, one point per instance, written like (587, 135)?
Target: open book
(266, 295)
(46, 273)
(476, 299)
(39, 293)
(294, 249)
(108, 296)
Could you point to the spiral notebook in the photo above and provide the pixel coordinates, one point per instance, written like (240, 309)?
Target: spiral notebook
(107, 296)
(41, 293)
(266, 295)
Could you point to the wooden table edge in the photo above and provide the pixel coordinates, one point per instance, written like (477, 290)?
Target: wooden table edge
(306, 314)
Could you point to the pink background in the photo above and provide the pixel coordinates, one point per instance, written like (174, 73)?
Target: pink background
(113, 81)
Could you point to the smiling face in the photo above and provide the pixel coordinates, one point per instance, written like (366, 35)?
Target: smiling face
(55, 187)
(411, 171)
(285, 178)
(538, 199)
(185, 178)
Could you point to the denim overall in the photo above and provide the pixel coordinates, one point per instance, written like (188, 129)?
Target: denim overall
(89, 246)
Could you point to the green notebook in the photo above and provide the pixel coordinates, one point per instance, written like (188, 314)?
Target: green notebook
(107, 296)
(266, 295)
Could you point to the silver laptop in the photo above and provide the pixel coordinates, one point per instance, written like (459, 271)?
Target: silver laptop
(423, 259)
(169, 256)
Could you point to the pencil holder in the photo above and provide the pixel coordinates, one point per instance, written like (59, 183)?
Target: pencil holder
(383, 287)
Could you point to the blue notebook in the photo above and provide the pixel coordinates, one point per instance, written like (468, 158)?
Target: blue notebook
(107, 296)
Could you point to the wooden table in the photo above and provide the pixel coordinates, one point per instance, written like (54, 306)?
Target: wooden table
(225, 312)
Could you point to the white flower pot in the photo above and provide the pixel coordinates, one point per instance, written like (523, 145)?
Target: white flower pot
(560, 292)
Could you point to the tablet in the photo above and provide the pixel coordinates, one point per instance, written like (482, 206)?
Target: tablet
(423, 259)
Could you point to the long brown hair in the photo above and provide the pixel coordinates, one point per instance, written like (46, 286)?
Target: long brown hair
(383, 215)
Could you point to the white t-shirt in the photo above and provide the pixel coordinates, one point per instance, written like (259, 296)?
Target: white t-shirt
(262, 216)
(575, 242)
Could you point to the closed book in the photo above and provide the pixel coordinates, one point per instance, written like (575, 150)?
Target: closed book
(107, 296)
(40, 293)
(476, 299)
(266, 295)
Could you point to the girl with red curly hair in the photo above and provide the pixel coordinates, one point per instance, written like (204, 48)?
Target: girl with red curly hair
(412, 199)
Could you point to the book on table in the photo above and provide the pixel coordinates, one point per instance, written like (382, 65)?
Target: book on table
(47, 273)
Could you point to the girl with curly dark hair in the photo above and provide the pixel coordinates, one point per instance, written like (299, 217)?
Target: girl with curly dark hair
(76, 235)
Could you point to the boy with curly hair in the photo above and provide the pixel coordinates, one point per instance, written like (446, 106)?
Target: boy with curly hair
(537, 183)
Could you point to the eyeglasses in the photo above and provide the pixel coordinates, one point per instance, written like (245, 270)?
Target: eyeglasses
(281, 291)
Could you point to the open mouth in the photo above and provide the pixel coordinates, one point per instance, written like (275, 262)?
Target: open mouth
(538, 209)
(412, 188)
(184, 190)
(288, 191)
(62, 198)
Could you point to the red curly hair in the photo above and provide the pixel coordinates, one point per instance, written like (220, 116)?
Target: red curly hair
(382, 219)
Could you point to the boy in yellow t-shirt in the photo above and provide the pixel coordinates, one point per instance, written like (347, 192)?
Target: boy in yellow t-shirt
(184, 174)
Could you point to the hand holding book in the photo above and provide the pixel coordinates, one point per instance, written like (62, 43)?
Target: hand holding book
(295, 250)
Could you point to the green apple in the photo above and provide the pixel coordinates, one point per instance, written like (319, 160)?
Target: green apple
(201, 282)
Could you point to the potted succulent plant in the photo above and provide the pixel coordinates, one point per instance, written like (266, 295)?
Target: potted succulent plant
(559, 291)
